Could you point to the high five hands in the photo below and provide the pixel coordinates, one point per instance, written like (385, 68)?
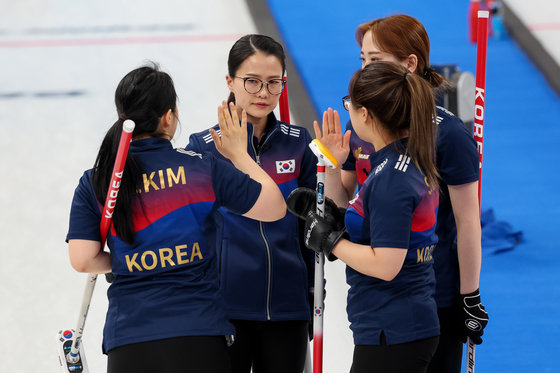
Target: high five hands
(331, 135)
(232, 140)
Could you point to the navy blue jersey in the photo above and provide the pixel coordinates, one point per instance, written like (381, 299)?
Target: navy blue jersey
(167, 281)
(394, 208)
(358, 158)
(457, 162)
(265, 269)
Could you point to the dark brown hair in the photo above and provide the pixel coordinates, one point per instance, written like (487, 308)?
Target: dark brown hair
(401, 36)
(403, 104)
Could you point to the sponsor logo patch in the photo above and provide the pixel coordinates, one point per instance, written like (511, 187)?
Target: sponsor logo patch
(473, 325)
(380, 167)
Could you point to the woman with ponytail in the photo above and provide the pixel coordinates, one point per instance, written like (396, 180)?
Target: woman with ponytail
(164, 313)
(457, 258)
(389, 233)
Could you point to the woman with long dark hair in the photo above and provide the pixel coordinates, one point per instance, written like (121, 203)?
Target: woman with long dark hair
(165, 314)
(264, 272)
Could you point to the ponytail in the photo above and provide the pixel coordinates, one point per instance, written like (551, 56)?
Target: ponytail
(144, 95)
(403, 103)
(422, 131)
(435, 79)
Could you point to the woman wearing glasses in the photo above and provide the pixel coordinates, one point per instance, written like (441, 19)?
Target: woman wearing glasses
(390, 223)
(265, 275)
(457, 257)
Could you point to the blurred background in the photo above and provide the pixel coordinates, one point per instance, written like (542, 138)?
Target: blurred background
(61, 62)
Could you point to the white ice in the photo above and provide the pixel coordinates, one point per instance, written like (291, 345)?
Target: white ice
(50, 47)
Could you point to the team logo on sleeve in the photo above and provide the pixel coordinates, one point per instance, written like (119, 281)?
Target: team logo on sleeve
(402, 163)
(286, 167)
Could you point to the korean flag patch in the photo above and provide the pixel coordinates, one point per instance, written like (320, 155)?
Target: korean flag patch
(286, 167)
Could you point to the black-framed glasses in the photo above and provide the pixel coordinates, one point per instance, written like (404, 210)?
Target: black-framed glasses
(346, 102)
(254, 85)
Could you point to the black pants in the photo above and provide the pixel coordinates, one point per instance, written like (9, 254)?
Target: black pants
(172, 355)
(450, 348)
(411, 357)
(269, 346)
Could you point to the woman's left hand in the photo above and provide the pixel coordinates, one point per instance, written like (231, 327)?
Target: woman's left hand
(331, 135)
(232, 141)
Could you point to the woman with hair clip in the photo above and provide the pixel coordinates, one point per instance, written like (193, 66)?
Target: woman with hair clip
(388, 233)
(264, 270)
(457, 257)
(165, 314)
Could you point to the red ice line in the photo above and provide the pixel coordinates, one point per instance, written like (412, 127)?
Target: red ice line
(118, 41)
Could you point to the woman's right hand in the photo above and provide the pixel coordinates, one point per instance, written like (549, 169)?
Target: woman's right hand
(331, 135)
(232, 141)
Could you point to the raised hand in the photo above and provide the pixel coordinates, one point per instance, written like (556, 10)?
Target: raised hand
(331, 135)
(233, 139)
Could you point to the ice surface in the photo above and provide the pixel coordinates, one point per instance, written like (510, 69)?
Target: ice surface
(61, 62)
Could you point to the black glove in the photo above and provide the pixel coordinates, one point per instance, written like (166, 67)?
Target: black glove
(302, 201)
(471, 316)
(110, 277)
(321, 234)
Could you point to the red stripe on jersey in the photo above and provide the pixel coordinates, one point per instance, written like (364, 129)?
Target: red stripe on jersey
(424, 216)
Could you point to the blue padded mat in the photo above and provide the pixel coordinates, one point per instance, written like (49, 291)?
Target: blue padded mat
(520, 287)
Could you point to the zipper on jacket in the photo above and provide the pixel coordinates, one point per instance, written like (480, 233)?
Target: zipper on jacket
(269, 271)
(268, 253)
